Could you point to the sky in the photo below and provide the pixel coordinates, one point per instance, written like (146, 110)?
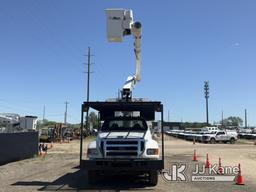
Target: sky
(43, 44)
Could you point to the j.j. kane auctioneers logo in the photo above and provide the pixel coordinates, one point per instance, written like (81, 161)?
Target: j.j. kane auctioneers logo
(180, 172)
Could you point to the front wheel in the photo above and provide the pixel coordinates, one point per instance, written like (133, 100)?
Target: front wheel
(153, 178)
(212, 141)
(232, 140)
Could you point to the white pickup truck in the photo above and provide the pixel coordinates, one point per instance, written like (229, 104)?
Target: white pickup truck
(124, 144)
(220, 136)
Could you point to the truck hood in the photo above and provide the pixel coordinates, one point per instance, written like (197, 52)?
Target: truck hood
(121, 134)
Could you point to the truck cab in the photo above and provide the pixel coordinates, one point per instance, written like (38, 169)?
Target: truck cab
(124, 143)
(125, 138)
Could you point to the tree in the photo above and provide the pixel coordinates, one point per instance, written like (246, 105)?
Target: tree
(45, 123)
(94, 120)
(194, 125)
(232, 121)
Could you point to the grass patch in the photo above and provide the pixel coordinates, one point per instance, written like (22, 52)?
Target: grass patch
(243, 141)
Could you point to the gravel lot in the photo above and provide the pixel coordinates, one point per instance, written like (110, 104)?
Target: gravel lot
(58, 170)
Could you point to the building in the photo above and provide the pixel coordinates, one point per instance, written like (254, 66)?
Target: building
(28, 122)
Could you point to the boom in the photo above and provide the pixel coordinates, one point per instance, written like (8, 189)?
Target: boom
(119, 24)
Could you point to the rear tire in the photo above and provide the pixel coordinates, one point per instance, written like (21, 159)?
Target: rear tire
(232, 140)
(212, 141)
(153, 178)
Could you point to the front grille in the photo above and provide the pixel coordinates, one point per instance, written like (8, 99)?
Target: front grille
(122, 153)
(122, 148)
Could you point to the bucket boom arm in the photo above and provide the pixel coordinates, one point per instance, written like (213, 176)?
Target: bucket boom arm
(119, 24)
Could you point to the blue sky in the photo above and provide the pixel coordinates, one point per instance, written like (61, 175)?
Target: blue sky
(185, 42)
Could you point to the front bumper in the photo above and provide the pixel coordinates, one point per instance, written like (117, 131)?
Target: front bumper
(122, 164)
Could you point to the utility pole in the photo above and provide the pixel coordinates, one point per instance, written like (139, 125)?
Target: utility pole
(245, 118)
(206, 94)
(222, 123)
(44, 114)
(168, 116)
(88, 84)
(87, 99)
(66, 113)
(88, 72)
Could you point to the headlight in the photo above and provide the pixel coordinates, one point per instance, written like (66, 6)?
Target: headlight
(92, 152)
(152, 151)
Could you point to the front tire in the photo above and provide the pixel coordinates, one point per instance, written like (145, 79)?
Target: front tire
(232, 140)
(153, 178)
(212, 141)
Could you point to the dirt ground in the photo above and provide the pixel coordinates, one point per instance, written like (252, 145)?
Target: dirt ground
(59, 171)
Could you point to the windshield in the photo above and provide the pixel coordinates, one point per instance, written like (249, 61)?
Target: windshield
(124, 125)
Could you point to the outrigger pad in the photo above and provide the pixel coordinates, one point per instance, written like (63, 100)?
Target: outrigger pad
(107, 109)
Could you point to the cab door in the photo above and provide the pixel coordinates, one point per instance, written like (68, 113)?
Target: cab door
(220, 136)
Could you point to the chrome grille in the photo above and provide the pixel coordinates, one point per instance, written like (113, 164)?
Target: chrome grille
(122, 148)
